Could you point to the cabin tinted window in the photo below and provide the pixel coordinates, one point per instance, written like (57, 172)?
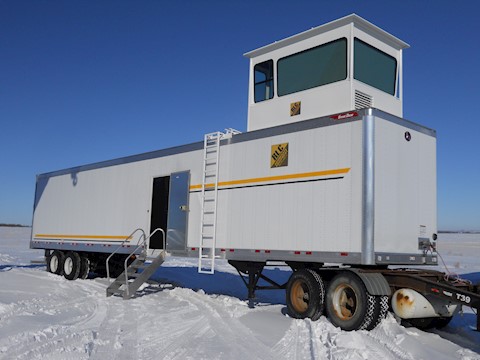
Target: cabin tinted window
(318, 66)
(263, 81)
(374, 67)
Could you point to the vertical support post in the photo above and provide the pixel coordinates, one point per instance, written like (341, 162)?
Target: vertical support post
(478, 319)
(253, 270)
(251, 288)
(368, 189)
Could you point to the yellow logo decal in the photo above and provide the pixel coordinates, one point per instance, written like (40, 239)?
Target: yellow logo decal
(295, 108)
(279, 155)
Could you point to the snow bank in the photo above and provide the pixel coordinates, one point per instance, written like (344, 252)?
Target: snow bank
(193, 316)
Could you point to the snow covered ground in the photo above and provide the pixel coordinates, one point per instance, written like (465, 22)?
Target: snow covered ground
(192, 316)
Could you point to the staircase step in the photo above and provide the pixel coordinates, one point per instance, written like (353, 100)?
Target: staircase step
(135, 279)
(139, 266)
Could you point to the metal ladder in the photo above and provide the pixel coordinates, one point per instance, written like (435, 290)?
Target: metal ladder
(211, 156)
(138, 272)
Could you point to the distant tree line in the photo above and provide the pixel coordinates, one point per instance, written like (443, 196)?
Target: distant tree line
(12, 225)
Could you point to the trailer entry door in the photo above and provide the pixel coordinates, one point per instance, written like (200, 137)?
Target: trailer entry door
(159, 211)
(178, 212)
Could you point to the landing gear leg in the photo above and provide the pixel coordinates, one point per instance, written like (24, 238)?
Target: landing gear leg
(254, 272)
(252, 283)
(478, 320)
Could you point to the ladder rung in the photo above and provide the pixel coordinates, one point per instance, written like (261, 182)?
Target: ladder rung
(210, 257)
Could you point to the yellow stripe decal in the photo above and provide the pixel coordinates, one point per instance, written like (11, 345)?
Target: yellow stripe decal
(86, 237)
(275, 178)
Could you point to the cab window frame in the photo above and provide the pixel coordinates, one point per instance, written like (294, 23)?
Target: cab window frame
(263, 88)
(374, 78)
(323, 78)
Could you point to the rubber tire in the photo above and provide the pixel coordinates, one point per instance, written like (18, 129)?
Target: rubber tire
(72, 259)
(84, 267)
(321, 304)
(55, 262)
(311, 305)
(365, 310)
(380, 312)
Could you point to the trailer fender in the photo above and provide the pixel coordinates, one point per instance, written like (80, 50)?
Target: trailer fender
(375, 283)
(410, 304)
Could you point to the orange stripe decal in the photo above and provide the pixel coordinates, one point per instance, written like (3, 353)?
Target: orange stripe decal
(88, 237)
(275, 178)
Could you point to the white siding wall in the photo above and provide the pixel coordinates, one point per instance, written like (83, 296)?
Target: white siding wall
(405, 188)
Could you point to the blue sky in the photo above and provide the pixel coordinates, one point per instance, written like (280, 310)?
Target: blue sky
(86, 81)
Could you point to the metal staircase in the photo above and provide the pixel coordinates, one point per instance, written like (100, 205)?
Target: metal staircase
(139, 271)
(211, 156)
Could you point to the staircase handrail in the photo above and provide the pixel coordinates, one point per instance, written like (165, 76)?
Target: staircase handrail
(120, 246)
(147, 242)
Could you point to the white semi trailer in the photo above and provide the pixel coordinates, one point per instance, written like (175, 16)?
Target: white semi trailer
(338, 198)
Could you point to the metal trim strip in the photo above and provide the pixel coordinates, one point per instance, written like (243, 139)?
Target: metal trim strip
(368, 189)
(80, 247)
(403, 122)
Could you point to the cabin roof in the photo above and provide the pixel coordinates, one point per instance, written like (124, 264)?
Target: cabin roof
(354, 19)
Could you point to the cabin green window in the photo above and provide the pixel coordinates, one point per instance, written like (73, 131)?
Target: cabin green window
(373, 67)
(263, 73)
(314, 67)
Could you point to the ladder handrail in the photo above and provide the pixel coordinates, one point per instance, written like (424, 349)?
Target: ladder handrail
(120, 246)
(147, 239)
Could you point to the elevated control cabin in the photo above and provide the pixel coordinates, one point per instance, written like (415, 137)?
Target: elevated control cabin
(341, 66)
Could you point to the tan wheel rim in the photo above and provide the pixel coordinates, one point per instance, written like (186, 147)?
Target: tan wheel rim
(299, 296)
(345, 301)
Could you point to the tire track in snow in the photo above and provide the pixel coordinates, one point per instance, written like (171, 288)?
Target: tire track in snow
(229, 332)
(116, 337)
(66, 305)
(290, 346)
(185, 325)
(385, 337)
(305, 340)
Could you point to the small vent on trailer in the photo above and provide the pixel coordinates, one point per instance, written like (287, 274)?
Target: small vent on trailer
(362, 100)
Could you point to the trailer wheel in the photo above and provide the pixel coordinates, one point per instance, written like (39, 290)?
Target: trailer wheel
(55, 262)
(84, 267)
(348, 304)
(305, 295)
(71, 266)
